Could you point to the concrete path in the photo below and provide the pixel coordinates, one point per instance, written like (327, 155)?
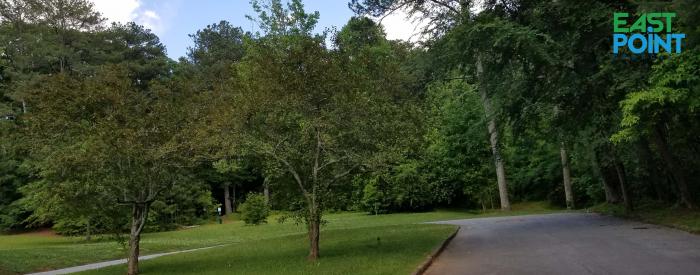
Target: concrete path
(569, 243)
(115, 262)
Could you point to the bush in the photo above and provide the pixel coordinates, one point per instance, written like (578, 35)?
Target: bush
(374, 199)
(402, 188)
(255, 209)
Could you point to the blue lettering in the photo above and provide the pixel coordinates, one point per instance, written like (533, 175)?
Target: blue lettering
(618, 41)
(678, 37)
(641, 38)
(666, 43)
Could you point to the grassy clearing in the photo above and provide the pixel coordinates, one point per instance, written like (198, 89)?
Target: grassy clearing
(30, 252)
(655, 213)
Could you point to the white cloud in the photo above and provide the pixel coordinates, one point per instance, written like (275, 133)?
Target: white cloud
(118, 11)
(151, 14)
(151, 20)
(398, 25)
(130, 10)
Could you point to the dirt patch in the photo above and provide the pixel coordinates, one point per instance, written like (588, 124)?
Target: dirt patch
(44, 232)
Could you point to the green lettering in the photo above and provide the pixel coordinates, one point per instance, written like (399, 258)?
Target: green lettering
(619, 19)
(668, 16)
(640, 25)
(653, 20)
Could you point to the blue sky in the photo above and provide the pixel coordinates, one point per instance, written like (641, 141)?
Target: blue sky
(173, 20)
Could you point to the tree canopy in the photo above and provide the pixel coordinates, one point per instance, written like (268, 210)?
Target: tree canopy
(501, 101)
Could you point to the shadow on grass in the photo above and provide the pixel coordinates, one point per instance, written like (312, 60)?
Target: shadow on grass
(656, 213)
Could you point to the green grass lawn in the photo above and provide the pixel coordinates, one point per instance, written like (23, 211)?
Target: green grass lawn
(31, 252)
(656, 213)
(394, 249)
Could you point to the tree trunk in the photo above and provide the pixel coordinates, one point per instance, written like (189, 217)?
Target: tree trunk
(88, 231)
(566, 172)
(24, 107)
(494, 139)
(266, 190)
(673, 166)
(314, 224)
(139, 214)
(620, 169)
(227, 200)
(611, 194)
(233, 198)
(500, 168)
(651, 173)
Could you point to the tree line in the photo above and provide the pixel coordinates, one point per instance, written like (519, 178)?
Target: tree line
(502, 101)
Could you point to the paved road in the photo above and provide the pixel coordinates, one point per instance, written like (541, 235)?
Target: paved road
(570, 243)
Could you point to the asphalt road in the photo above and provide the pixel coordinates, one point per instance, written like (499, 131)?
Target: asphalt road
(570, 243)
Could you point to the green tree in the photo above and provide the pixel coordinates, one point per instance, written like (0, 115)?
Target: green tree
(666, 113)
(302, 110)
(116, 143)
(216, 48)
(457, 150)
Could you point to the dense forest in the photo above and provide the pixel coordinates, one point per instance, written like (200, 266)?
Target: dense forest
(502, 101)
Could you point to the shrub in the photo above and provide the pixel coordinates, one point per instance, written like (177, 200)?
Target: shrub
(255, 209)
(375, 199)
(402, 188)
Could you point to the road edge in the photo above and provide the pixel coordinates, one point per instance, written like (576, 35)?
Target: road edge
(434, 254)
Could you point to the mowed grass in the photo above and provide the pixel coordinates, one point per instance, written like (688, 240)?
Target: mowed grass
(656, 213)
(395, 249)
(32, 252)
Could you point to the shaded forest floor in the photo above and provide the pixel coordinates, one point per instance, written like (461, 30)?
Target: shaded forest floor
(656, 213)
(345, 234)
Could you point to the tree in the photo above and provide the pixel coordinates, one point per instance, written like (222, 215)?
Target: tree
(60, 21)
(43, 37)
(116, 141)
(457, 149)
(651, 112)
(36, 38)
(209, 70)
(14, 175)
(566, 172)
(303, 111)
(495, 142)
(216, 48)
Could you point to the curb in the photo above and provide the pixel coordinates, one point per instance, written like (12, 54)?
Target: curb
(433, 255)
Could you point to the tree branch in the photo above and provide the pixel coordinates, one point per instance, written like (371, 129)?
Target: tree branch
(316, 156)
(333, 162)
(343, 174)
(445, 5)
(291, 170)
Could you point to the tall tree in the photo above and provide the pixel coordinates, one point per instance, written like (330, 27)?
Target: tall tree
(303, 111)
(216, 48)
(127, 120)
(566, 176)
(494, 140)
